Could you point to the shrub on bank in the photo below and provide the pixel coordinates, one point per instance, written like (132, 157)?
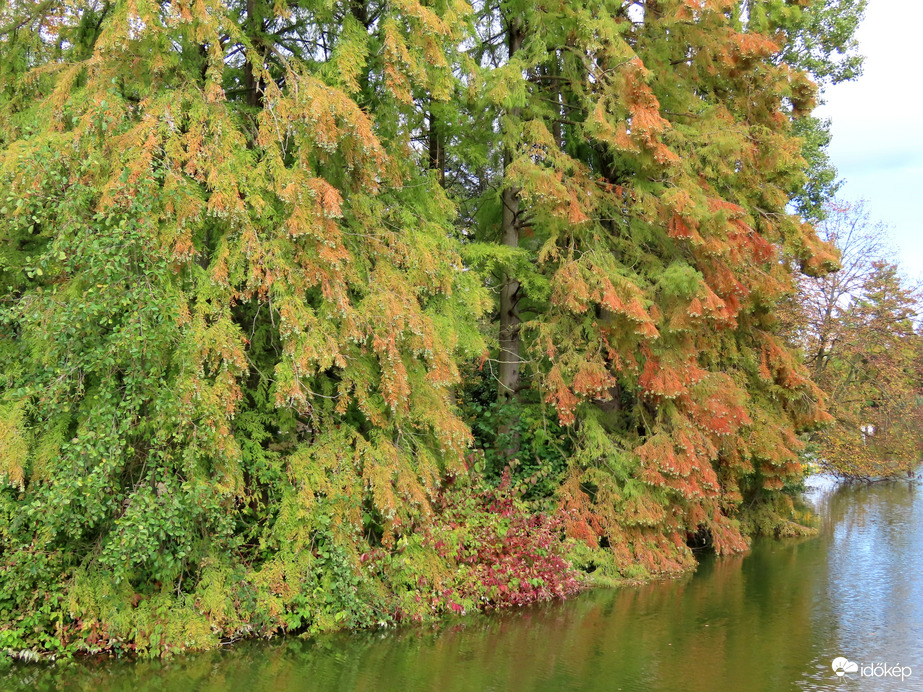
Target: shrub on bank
(484, 549)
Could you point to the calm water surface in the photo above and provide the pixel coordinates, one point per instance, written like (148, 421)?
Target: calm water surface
(771, 620)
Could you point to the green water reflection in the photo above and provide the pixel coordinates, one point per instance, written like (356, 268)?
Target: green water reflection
(771, 620)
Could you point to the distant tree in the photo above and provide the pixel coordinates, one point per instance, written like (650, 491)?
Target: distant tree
(820, 183)
(858, 333)
(825, 302)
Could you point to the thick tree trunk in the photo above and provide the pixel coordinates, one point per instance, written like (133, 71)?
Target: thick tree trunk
(510, 290)
(509, 304)
(254, 87)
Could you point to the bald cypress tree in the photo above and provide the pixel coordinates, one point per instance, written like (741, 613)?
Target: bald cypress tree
(233, 312)
(656, 151)
(245, 248)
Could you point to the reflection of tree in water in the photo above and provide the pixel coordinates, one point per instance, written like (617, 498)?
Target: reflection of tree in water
(679, 634)
(867, 599)
(875, 569)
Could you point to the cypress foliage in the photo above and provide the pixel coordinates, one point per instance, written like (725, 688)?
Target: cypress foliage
(655, 156)
(248, 252)
(233, 307)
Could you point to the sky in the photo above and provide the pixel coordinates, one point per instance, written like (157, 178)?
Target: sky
(877, 126)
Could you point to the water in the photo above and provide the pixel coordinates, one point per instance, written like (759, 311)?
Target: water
(771, 620)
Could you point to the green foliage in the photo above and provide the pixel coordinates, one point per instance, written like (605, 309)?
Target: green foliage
(778, 516)
(232, 318)
(649, 188)
(820, 184)
(542, 445)
(822, 39)
(248, 333)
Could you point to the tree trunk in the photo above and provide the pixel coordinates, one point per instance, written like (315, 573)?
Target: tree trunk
(254, 87)
(436, 149)
(510, 293)
(510, 290)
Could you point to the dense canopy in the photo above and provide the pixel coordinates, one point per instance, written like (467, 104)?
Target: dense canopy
(321, 314)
